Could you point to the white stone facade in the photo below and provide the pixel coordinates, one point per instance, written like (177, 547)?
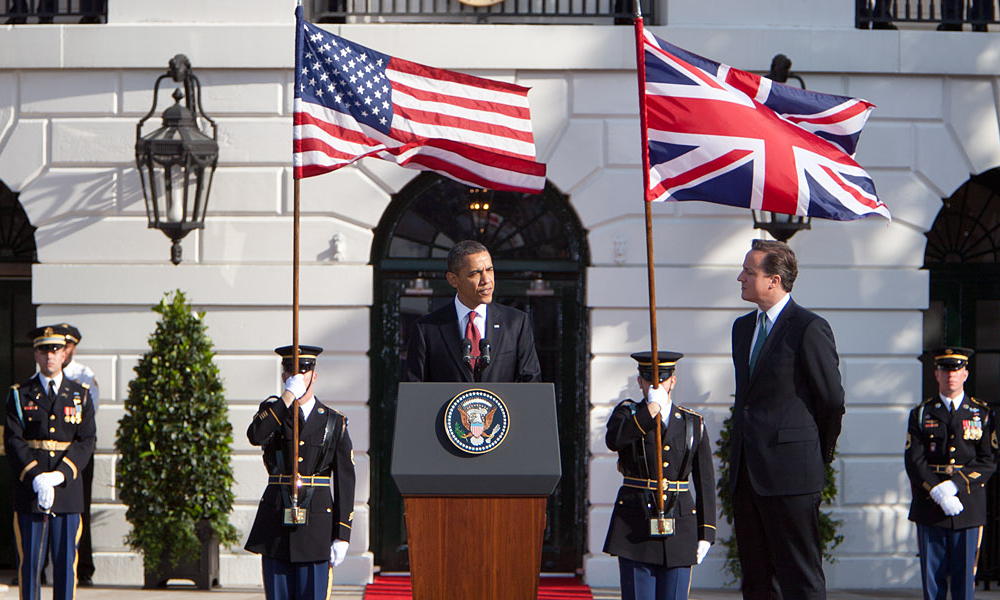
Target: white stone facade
(70, 97)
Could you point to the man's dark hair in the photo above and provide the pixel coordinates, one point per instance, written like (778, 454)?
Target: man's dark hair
(778, 260)
(460, 250)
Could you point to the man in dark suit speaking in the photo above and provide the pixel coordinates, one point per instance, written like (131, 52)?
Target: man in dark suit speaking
(789, 405)
(472, 339)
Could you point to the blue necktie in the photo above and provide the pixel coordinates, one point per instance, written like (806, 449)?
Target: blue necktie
(759, 343)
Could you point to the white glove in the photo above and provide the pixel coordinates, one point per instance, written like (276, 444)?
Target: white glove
(338, 552)
(943, 490)
(659, 396)
(45, 492)
(703, 547)
(951, 506)
(51, 479)
(296, 384)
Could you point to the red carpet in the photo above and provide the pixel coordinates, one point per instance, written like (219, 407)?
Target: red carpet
(550, 588)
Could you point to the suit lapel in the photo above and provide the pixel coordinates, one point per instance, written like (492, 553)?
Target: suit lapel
(773, 337)
(741, 347)
(495, 330)
(448, 330)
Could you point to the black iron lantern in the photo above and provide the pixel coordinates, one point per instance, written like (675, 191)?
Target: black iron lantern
(781, 226)
(177, 161)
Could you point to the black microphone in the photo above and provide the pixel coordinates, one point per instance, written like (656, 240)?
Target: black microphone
(467, 351)
(484, 353)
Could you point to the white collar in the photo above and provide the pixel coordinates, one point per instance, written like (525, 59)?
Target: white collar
(45, 381)
(774, 311)
(463, 311)
(955, 402)
(307, 407)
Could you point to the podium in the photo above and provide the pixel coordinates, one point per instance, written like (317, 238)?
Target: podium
(475, 475)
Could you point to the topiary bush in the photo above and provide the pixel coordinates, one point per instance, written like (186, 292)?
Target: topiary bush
(174, 442)
(828, 526)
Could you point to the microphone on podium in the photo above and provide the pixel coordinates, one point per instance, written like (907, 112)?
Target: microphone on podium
(484, 353)
(467, 352)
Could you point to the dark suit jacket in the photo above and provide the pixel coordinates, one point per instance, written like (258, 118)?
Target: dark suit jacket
(788, 411)
(434, 351)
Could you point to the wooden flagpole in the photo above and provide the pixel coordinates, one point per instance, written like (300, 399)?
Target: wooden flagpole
(640, 65)
(295, 344)
(295, 303)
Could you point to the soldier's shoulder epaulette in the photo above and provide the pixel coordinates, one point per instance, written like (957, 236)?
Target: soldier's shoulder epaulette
(85, 386)
(688, 410)
(927, 401)
(978, 402)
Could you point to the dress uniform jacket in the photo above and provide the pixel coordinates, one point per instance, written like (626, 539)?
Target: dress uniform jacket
(956, 445)
(324, 450)
(631, 434)
(42, 436)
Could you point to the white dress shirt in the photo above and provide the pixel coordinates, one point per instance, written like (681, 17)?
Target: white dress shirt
(463, 318)
(772, 316)
(953, 403)
(45, 381)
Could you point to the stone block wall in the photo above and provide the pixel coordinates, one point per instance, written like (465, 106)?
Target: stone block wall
(70, 98)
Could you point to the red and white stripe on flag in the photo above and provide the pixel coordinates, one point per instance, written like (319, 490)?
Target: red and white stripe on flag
(352, 102)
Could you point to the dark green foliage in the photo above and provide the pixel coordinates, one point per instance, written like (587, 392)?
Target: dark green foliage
(174, 442)
(828, 526)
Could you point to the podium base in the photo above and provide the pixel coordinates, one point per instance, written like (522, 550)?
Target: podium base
(486, 548)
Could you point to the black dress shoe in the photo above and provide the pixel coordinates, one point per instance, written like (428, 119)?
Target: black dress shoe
(85, 582)
(883, 25)
(949, 27)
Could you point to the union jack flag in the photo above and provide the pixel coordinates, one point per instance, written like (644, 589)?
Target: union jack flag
(352, 102)
(723, 135)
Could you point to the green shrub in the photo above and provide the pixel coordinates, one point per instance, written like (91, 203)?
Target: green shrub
(828, 526)
(174, 442)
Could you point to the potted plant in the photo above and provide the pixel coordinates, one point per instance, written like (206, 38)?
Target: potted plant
(174, 474)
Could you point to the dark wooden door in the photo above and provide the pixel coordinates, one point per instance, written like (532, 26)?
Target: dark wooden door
(17, 318)
(540, 255)
(559, 322)
(963, 257)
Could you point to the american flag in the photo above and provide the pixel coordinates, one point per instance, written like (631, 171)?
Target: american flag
(723, 135)
(352, 102)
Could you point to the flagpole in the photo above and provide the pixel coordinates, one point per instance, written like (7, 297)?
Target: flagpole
(640, 65)
(295, 300)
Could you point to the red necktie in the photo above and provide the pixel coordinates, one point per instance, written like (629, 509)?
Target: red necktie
(472, 334)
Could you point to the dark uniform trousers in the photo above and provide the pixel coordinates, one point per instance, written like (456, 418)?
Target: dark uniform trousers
(295, 558)
(956, 445)
(659, 568)
(42, 435)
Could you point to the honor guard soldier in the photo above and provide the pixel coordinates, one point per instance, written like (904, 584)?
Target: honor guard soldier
(655, 563)
(81, 373)
(49, 438)
(950, 445)
(300, 544)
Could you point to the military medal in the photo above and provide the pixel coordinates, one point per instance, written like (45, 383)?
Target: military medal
(972, 430)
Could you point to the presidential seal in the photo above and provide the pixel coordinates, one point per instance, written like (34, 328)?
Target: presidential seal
(476, 421)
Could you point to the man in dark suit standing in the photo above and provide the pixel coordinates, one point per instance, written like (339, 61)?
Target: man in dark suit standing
(789, 405)
(472, 339)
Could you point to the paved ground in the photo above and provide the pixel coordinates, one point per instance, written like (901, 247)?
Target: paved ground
(354, 593)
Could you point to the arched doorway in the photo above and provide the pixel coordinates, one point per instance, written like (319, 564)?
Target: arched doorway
(17, 317)
(540, 255)
(963, 257)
